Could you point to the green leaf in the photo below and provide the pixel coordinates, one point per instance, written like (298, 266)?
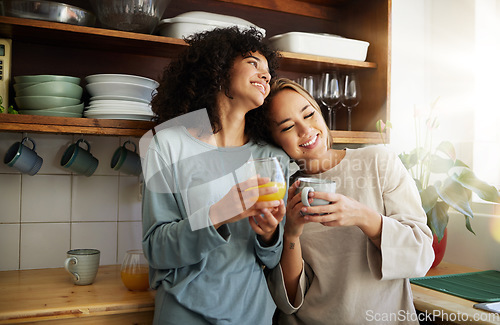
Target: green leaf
(456, 196)
(409, 160)
(437, 219)
(11, 110)
(448, 149)
(467, 179)
(429, 198)
(459, 163)
(440, 165)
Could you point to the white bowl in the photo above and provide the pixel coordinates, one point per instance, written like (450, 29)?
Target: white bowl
(123, 98)
(132, 79)
(127, 103)
(120, 89)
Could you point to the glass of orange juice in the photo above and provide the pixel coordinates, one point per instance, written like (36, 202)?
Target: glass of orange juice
(135, 271)
(269, 167)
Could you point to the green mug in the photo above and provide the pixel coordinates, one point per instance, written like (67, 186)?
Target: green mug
(23, 158)
(126, 161)
(79, 160)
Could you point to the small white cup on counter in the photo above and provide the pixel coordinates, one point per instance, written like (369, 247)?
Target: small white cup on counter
(82, 264)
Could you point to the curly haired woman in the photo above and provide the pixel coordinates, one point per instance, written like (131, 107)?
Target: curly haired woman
(206, 238)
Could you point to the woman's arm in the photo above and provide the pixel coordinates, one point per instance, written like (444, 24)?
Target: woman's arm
(291, 259)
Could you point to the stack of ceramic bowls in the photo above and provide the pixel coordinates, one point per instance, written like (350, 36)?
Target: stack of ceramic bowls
(49, 95)
(120, 96)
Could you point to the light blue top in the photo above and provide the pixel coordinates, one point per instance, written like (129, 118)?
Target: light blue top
(209, 276)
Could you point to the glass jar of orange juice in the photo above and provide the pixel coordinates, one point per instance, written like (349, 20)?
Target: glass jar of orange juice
(135, 271)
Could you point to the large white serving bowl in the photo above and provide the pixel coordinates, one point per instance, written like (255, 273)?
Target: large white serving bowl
(132, 79)
(120, 89)
(43, 102)
(52, 88)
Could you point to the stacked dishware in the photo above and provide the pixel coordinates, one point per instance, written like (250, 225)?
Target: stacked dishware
(120, 96)
(49, 95)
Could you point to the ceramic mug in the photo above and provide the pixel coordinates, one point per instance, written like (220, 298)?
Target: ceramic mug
(23, 158)
(310, 184)
(126, 161)
(82, 264)
(79, 160)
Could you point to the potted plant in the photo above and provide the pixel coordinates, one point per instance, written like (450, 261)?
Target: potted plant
(443, 181)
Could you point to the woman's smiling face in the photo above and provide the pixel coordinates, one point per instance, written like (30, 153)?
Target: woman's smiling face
(297, 126)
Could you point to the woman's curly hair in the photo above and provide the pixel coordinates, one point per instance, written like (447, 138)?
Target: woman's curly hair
(193, 80)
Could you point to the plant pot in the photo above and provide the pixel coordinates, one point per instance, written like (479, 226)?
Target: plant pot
(439, 248)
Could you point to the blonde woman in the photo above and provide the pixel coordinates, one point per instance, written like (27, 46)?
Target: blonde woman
(349, 262)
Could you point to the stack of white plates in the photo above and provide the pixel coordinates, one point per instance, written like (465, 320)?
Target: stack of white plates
(120, 96)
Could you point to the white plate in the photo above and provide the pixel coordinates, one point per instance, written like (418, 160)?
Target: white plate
(138, 80)
(124, 103)
(137, 117)
(125, 98)
(119, 109)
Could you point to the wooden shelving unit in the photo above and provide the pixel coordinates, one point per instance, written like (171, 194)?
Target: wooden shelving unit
(73, 38)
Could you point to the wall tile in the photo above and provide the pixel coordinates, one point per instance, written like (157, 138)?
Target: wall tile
(7, 140)
(51, 148)
(46, 198)
(9, 247)
(103, 148)
(129, 237)
(44, 245)
(98, 235)
(95, 198)
(130, 204)
(10, 198)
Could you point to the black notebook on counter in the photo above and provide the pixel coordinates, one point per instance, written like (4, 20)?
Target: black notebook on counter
(483, 286)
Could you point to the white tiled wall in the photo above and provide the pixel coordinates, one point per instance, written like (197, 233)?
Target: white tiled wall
(45, 215)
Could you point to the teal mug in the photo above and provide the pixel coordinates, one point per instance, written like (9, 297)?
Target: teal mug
(23, 158)
(311, 184)
(79, 160)
(126, 161)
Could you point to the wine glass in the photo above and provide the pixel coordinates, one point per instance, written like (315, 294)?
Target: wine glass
(268, 167)
(308, 84)
(351, 95)
(329, 95)
(135, 271)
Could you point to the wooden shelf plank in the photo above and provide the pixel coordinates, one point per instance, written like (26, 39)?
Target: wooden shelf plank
(45, 32)
(307, 63)
(72, 125)
(356, 137)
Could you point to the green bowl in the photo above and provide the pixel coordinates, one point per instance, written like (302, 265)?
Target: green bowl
(52, 88)
(68, 109)
(45, 112)
(45, 78)
(43, 102)
(18, 87)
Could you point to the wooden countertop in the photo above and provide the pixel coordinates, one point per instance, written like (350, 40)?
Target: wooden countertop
(28, 296)
(49, 294)
(450, 309)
